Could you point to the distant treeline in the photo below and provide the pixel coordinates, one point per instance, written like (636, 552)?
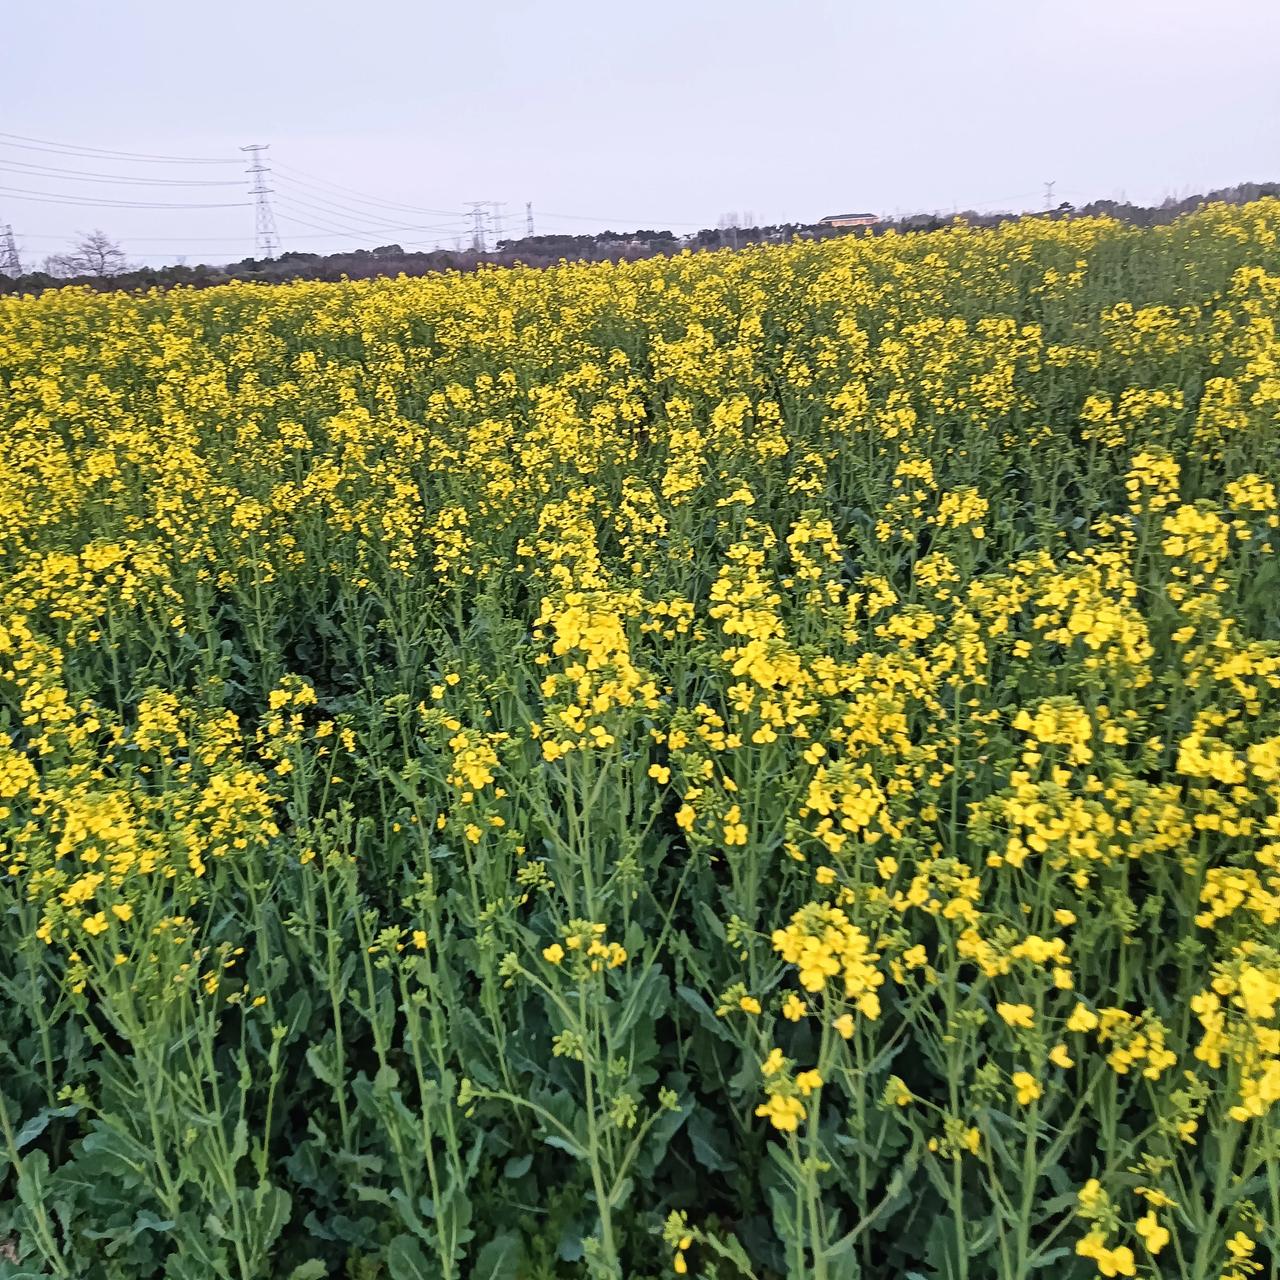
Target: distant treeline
(612, 246)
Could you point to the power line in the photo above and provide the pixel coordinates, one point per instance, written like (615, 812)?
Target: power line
(321, 210)
(361, 197)
(334, 228)
(53, 197)
(335, 214)
(306, 200)
(80, 175)
(330, 235)
(330, 232)
(66, 148)
(328, 209)
(303, 178)
(368, 232)
(330, 228)
(37, 235)
(318, 226)
(320, 215)
(316, 182)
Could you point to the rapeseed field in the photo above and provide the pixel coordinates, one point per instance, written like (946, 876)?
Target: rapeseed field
(753, 764)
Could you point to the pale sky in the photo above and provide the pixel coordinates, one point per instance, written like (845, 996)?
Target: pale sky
(658, 114)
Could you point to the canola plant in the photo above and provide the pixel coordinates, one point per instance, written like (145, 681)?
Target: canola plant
(751, 764)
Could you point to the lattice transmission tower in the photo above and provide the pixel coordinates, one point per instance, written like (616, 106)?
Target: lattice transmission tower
(264, 219)
(10, 263)
(479, 243)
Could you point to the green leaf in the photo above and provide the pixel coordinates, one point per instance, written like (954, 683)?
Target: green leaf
(553, 1139)
(40, 1122)
(406, 1261)
(843, 1265)
(1046, 1259)
(499, 1260)
(197, 1256)
(706, 1138)
(239, 1141)
(731, 1250)
(647, 996)
(298, 1013)
(267, 1208)
(112, 1154)
(570, 1247)
(714, 925)
(706, 1015)
(324, 1070)
(312, 1270)
(31, 1181)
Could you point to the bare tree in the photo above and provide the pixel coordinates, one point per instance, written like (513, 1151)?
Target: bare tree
(96, 254)
(729, 224)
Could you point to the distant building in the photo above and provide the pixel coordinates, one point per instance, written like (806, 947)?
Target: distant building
(849, 220)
